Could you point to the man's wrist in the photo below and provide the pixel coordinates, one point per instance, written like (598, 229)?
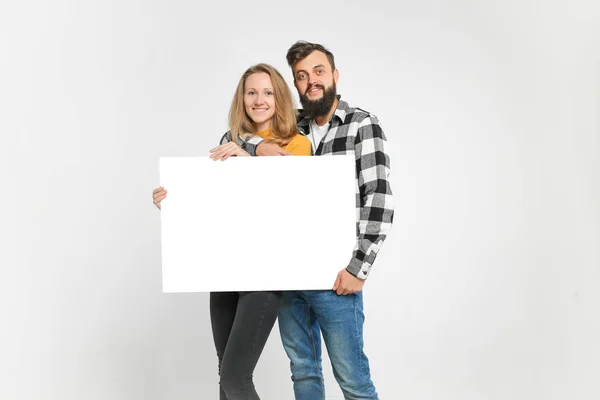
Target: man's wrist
(358, 268)
(356, 273)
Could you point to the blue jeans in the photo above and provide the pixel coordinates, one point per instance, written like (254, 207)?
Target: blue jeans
(302, 317)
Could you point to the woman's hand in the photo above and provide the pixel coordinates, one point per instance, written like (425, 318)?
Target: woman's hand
(224, 151)
(158, 195)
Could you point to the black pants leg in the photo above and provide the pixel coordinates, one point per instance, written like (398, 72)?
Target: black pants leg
(241, 324)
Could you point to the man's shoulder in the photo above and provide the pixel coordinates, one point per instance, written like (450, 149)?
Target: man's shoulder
(351, 114)
(357, 114)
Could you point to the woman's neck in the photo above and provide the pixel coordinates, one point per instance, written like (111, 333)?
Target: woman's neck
(262, 126)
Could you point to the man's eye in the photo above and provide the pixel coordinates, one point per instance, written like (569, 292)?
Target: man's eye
(301, 76)
(319, 71)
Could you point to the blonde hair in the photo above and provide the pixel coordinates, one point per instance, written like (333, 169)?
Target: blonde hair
(283, 124)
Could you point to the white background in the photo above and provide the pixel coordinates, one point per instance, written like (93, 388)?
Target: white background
(488, 286)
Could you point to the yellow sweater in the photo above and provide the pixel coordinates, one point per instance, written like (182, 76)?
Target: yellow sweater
(298, 146)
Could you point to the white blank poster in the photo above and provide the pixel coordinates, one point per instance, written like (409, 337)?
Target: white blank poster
(256, 223)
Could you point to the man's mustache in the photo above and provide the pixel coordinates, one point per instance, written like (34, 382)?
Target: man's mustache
(314, 85)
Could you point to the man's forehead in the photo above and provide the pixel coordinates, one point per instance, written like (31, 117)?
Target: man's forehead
(313, 60)
(315, 56)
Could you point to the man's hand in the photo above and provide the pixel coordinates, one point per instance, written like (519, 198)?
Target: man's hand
(270, 149)
(346, 283)
(224, 151)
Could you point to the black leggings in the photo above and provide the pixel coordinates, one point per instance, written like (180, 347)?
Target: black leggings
(241, 324)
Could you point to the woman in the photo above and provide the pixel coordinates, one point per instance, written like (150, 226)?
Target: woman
(242, 321)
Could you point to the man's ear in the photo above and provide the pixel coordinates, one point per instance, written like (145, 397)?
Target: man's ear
(336, 76)
(296, 84)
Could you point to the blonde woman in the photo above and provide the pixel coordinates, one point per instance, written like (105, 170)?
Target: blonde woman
(242, 321)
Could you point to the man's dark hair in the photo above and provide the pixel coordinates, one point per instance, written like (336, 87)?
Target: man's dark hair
(301, 49)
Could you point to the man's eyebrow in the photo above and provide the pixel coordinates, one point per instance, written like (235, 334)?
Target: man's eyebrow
(315, 67)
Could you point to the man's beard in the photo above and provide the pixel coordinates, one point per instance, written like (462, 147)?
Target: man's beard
(322, 106)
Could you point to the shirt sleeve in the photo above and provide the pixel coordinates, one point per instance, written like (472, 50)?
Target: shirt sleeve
(299, 146)
(376, 211)
(251, 144)
(225, 139)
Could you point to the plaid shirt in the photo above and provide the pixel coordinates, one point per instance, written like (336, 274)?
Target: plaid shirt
(355, 131)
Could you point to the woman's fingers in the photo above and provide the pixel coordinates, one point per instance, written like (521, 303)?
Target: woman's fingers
(158, 195)
(224, 151)
(217, 152)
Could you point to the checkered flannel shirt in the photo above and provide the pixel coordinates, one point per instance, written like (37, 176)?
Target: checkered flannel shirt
(355, 131)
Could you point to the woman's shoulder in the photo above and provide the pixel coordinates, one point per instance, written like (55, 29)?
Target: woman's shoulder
(299, 145)
(298, 137)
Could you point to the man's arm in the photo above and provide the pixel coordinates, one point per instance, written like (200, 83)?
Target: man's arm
(376, 201)
(251, 144)
(225, 138)
(256, 146)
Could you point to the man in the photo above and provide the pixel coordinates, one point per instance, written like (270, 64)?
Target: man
(334, 127)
